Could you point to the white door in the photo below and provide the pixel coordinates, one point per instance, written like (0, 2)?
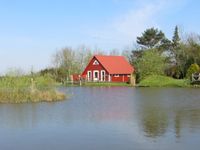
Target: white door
(96, 75)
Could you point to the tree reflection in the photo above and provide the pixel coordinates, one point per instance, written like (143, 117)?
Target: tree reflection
(186, 118)
(177, 123)
(154, 122)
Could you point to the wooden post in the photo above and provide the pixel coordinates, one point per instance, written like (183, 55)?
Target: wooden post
(132, 80)
(72, 80)
(80, 80)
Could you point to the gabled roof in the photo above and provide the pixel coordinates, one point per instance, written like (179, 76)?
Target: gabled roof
(115, 64)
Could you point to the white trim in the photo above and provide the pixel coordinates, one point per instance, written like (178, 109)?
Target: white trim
(103, 78)
(95, 62)
(89, 76)
(109, 78)
(116, 75)
(95, 79)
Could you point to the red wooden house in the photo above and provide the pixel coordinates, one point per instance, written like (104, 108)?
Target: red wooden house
(108, 69)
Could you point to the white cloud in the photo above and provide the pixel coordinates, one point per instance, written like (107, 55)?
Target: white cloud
(123, 30)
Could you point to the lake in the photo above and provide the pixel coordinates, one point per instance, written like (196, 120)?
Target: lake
(105, 118)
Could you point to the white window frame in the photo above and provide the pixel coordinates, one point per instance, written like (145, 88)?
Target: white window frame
(95, 62)
(116, 75)
(103, 79)
(94, 71)
(89, 75)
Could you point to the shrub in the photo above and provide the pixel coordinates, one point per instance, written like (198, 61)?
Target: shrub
(194, 68)
(151, 63)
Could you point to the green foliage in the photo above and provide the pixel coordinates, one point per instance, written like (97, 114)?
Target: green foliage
(194, 68)
(151, 63)
(176, 39)
(179, 54)
(163, 81)
(174, 71)
(152, 38)
(187, 54)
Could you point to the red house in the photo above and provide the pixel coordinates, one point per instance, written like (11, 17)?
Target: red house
(108, 69)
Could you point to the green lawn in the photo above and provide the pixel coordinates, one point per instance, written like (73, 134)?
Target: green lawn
(163, 81)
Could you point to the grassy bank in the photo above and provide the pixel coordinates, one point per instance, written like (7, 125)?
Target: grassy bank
(28, 89)
(163, 81)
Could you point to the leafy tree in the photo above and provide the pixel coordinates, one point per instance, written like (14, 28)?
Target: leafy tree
(151, 63)
(189, 53)
(152, 38)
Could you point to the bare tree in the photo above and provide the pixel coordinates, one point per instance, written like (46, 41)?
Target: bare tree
(64, 60)
(114, 52)
(83, 55)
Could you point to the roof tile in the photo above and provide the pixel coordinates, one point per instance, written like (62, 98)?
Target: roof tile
(115, 64)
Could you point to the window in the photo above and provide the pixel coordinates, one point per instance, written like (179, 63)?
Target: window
(89, 75)
(116, 75)
(96, 74)
(103, 74)
(95, 62)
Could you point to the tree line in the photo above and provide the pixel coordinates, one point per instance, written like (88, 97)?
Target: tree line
(68, 61)
(154, 54)
(158, 55)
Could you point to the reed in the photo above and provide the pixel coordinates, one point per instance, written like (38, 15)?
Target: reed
(21, 89)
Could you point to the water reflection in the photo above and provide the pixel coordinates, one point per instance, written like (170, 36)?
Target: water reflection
(101, 118)
(154, 122)
(168, 110)
(186, 119)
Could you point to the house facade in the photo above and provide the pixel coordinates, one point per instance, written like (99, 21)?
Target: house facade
(108, 69)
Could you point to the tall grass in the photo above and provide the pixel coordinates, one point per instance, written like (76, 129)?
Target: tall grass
(18, 89)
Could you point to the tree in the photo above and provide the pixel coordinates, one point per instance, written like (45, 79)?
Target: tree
(151, 63)
(176, 39)
(83, 55)
(187, 54)
(152, 38)
(64, 61)
(176, 47)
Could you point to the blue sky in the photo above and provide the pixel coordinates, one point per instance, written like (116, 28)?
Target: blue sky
(32, 30)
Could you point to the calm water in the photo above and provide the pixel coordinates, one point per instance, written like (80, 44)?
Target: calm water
(117, 118)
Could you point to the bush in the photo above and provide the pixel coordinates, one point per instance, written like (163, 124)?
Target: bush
(151, 63)
(194, 68)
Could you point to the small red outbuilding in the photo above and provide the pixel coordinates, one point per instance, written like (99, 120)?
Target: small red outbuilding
(108, 69)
